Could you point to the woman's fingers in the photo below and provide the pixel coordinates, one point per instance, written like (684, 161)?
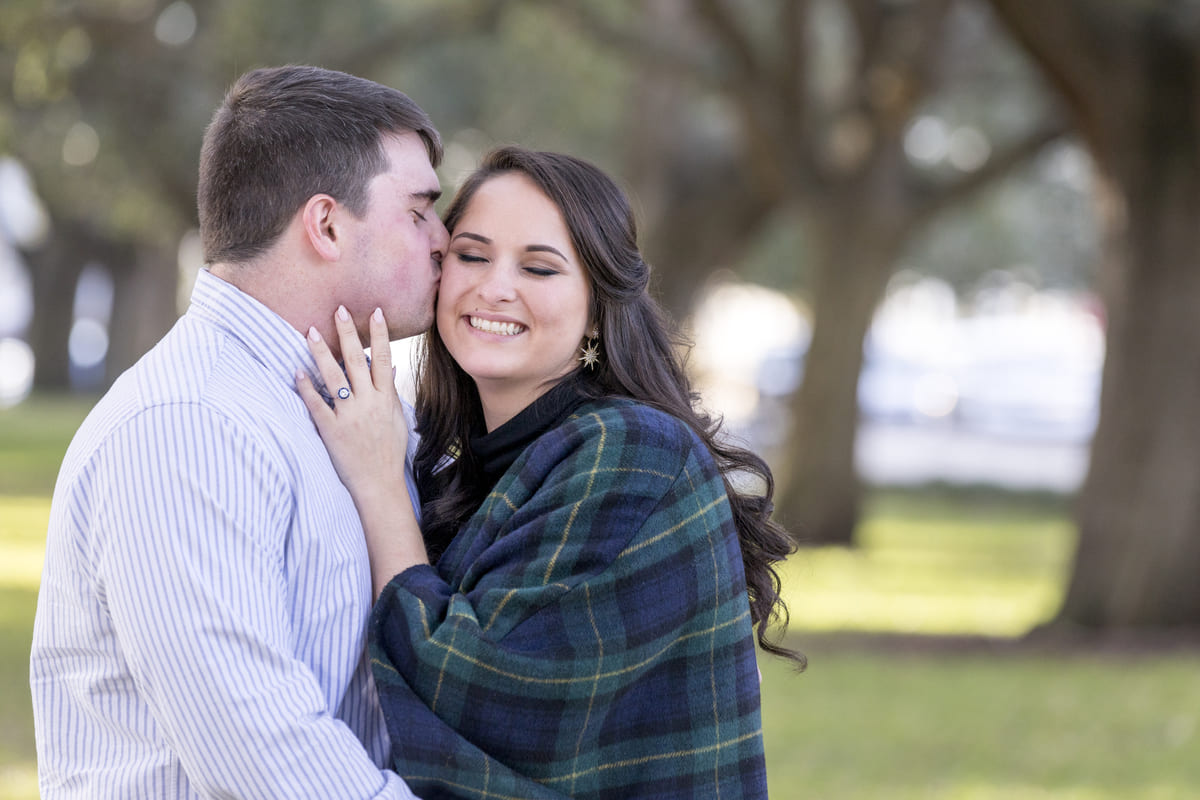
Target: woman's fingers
(317, 407)
(327, 366)
(381, 353)
(353, 373)
(354, 360)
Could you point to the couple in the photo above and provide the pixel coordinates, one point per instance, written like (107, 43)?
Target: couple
(209, 622)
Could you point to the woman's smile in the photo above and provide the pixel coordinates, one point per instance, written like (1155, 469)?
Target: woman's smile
(498, 327)
(514, 302)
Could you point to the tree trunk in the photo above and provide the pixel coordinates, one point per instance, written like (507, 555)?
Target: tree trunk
(144, 306)
(1129, 75)
(55, 268)
(819, 494)
(1139, 510)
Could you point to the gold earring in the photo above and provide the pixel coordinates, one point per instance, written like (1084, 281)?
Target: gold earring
(590, 350)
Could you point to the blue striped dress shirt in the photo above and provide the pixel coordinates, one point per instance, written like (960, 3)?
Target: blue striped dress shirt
(202, 615)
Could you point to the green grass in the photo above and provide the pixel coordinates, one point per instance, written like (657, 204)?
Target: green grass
(865, 722)
(940, 717)
(937, 564)
(33, 437)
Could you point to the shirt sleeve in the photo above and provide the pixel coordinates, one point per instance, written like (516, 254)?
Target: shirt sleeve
(190, 565)
(573, 590)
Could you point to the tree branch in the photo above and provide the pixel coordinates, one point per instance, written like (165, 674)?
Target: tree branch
(721, 25)
(1072, 43)
(362, 57)
(794, 22)
(655, 52)
(900, 50)
(1002, 162)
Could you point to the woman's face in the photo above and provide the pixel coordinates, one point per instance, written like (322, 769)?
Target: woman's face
(513, 303)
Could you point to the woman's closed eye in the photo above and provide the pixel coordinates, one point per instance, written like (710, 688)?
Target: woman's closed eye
(470, 258)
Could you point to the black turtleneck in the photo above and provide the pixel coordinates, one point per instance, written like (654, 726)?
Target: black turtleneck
(495, 452)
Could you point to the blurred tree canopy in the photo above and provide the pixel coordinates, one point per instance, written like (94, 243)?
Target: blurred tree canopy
(815, 104)
(109, 100)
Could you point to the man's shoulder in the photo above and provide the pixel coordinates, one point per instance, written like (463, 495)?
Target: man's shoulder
(190, 375)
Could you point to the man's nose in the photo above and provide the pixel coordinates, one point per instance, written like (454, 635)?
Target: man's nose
(439, 241)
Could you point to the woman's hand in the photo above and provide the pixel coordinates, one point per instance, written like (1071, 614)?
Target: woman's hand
(367, 437)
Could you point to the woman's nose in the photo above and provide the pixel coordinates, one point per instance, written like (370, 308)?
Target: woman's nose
(496, 285)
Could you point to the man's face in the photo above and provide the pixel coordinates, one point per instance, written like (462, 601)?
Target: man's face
(395, 253)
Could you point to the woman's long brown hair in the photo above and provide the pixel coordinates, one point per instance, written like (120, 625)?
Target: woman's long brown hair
(641, 360)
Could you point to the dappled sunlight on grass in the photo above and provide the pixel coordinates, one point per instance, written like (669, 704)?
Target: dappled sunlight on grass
(23, 523)
(18, 781)
(870, 721)
(16, 717)
(33, 438)
(935, 568)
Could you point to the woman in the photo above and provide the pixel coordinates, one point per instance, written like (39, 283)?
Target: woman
(588, 630)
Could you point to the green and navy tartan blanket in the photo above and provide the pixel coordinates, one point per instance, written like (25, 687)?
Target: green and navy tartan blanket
(587, 633)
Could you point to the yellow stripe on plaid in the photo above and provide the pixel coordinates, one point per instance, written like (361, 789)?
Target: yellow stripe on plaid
(649, 759)
(469, 659)
(562, 542)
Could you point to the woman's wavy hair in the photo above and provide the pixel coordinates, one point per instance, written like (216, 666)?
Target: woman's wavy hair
(640, 360)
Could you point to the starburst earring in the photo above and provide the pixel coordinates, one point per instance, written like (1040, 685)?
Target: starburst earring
(590, 350)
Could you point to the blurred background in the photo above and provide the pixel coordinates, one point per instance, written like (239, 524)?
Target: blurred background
(940, 260)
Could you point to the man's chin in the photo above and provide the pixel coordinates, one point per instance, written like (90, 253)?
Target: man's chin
(396, 332)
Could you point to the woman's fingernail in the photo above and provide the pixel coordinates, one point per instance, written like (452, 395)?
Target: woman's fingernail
(314, 334)
(343, 314)
(300, 376)
(378, 315)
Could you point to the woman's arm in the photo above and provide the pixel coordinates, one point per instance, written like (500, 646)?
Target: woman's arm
(367, 435)
(589, 618)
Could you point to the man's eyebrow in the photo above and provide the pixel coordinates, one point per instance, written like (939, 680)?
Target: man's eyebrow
(429, 195)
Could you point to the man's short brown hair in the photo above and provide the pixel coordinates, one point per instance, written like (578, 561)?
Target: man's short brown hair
(284, 134)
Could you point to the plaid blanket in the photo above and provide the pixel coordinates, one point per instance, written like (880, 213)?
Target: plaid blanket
(587, 633)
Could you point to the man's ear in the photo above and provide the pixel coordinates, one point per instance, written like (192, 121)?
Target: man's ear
(322, 226)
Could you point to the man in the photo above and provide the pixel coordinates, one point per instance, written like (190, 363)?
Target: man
(201, 621)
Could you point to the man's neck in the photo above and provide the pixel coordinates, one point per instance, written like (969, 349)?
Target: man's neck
(288, 292)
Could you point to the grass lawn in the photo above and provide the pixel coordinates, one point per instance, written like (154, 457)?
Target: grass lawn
(935, 717)
(873, 721)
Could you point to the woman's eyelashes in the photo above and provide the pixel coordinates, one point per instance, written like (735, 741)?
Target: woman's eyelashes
(537, 270)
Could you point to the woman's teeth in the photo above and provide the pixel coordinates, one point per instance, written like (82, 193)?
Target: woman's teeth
(500, 328)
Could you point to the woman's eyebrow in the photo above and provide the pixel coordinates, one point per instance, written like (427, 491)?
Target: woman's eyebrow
(545, 248)
(533, 248)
